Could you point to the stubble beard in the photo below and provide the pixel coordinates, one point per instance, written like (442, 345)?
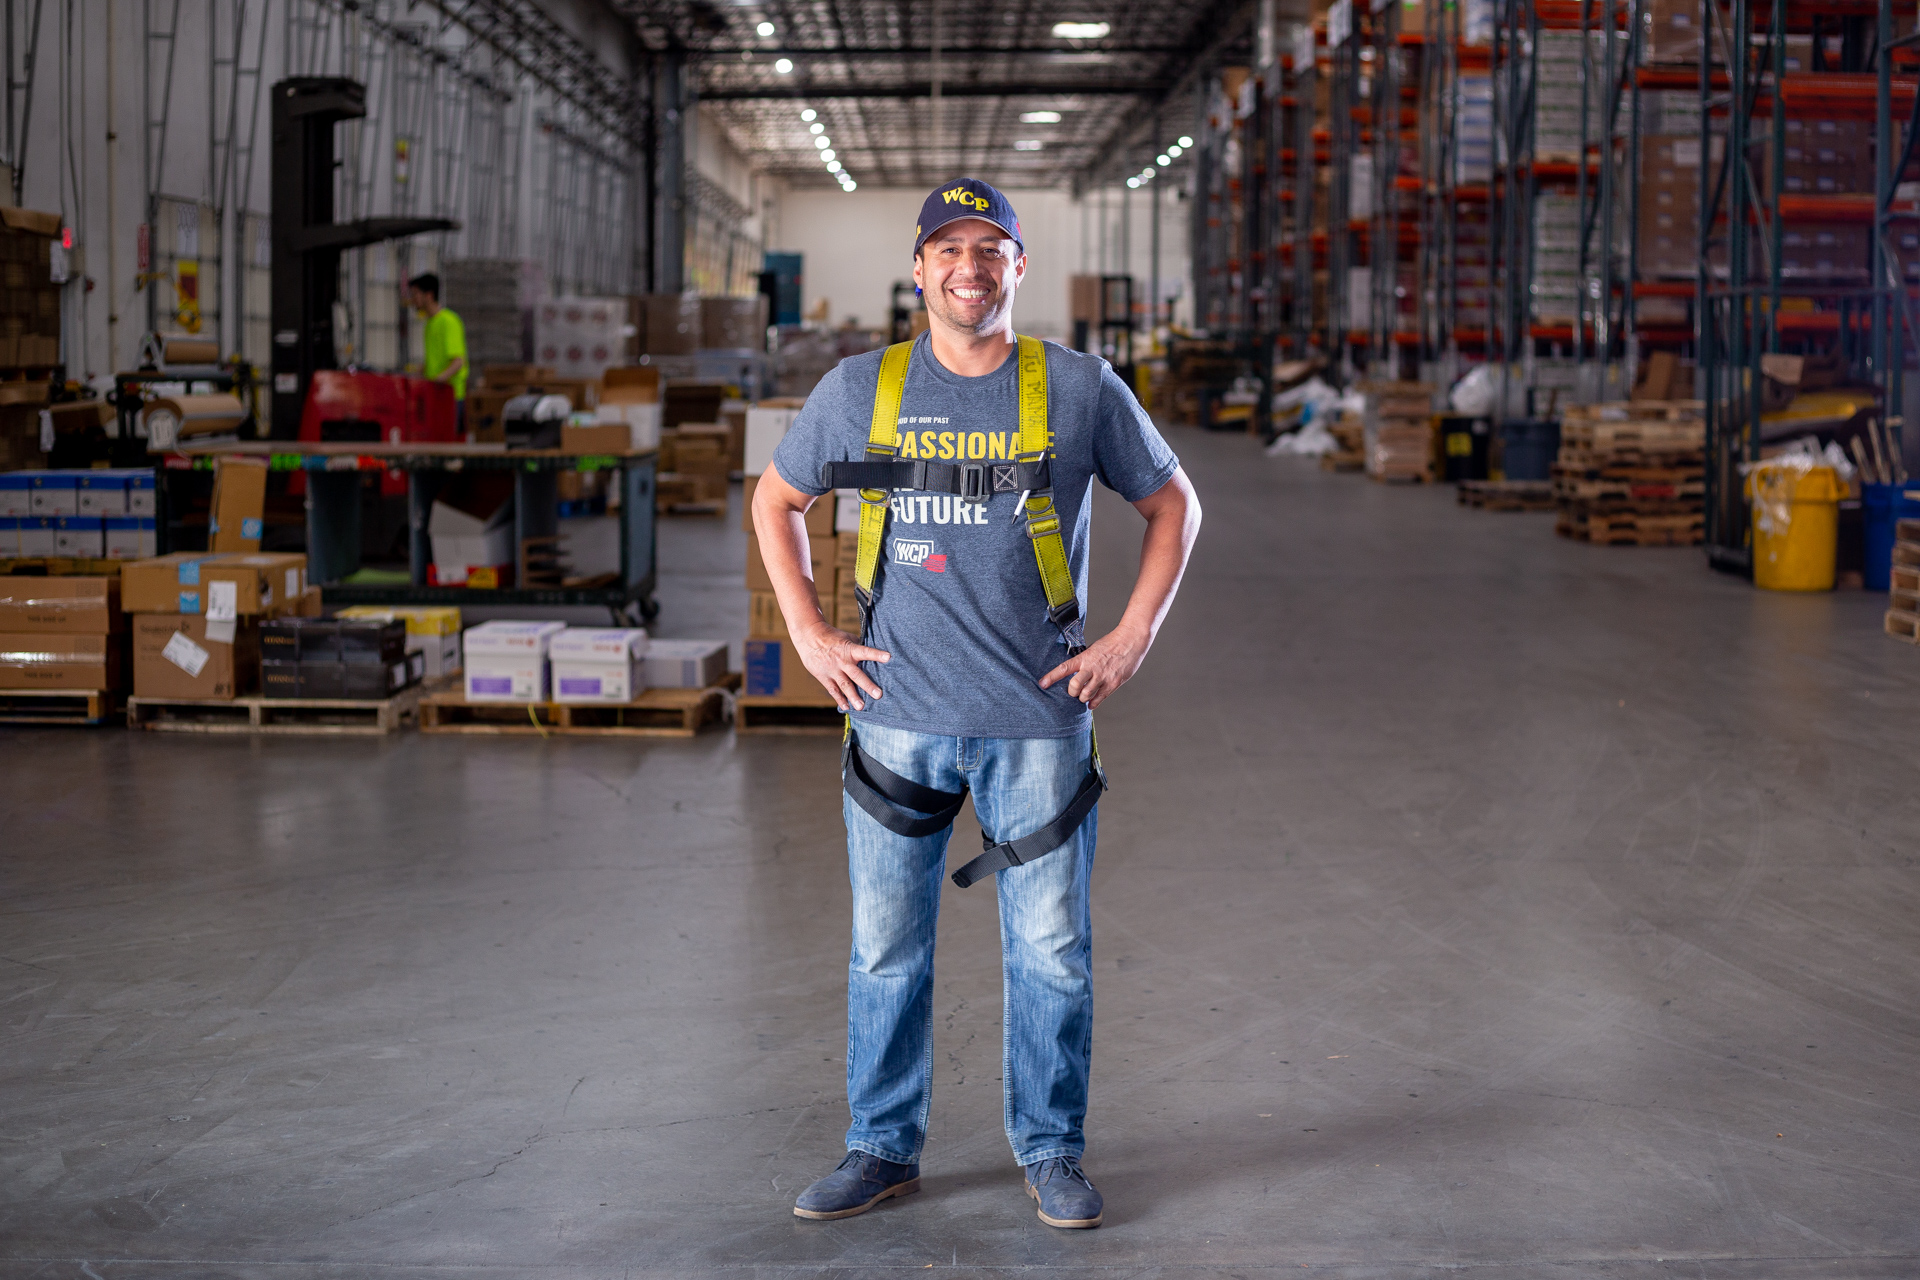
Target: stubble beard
(989, 321)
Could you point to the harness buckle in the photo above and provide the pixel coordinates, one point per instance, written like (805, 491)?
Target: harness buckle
(973, 483)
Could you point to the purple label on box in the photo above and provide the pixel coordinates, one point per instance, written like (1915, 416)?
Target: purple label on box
(491, 684)
(588, 686)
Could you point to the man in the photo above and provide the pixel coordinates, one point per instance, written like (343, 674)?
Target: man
(971, 675)
(445, 359)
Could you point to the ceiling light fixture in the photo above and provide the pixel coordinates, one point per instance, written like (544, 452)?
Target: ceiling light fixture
(829, 157)
(1185, 141)
(1163, 159)
(1133, 182)
(1039, 117)
(765, 28)
(1027, 144)
(809, 114)
(1175, 150)
(783, 66)
(1081, 30)
(851, 185)
(833, 166)
(822, 141)
(816, 128)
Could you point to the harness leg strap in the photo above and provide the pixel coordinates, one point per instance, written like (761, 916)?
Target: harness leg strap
(1013, 853)
(884, 794)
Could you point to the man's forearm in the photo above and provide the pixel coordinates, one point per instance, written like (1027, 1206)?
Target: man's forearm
(782, 531)
(1171, 529)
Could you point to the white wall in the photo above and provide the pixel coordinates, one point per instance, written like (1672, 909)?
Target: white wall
(855, 246)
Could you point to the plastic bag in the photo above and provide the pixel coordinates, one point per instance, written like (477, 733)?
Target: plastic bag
(1475, 394)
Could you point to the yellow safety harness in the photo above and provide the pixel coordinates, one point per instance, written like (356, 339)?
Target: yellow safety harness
(1029, 473)
(900, 804)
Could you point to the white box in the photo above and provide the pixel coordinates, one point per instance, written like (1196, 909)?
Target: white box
(505, 639)
(463, 542)
(497, 677)
(441, 653)
(36, 536)
(101, 493)
(9, 535)
(79, 536)
(132, 538)
(765, 427)
(16, 493)
(140, 493)
(598, 664)
(685, 664)
(53, 494)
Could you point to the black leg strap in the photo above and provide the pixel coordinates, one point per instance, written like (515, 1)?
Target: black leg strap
(1013, 853)
(884, 793)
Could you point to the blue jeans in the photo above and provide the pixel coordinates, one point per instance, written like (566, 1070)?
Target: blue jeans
(1046, 945)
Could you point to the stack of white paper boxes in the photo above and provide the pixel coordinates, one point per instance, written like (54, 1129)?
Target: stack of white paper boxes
(92, 514)
(583, 666)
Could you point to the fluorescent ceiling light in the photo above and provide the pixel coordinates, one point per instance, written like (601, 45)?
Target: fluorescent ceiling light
(1027, 144)
(1133, 182)
(822, 141)
(783, 66)
(816, 128)
(1175, 150)
(833, 166)
(828, 156)
(765, 29)
(1081, 30)
(1163, 159)
(809, 114)
(1185, 141)
(1039, 117)
(850, 185)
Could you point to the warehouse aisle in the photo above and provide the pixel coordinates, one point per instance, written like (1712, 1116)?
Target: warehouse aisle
(1467, 898)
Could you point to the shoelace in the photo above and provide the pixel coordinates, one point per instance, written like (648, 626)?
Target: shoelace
(1066, 1166)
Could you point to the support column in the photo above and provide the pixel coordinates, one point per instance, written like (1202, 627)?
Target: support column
(671, 105)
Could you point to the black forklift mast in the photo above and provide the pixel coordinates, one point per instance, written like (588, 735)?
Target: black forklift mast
(307, 242)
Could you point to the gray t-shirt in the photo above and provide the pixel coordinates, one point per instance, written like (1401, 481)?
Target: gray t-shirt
(961, 609)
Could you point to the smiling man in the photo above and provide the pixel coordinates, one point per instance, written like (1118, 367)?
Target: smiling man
(974, 451)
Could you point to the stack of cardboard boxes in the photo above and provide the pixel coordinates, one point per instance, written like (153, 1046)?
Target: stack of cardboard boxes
(774, 672)
(1401, 434)
(196, 619)
(61, 634)
(498, 383)
(93, 514)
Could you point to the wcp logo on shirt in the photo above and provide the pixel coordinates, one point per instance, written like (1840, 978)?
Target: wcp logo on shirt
(918, 552)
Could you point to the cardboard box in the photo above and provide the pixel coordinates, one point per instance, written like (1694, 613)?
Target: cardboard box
(609, 437)
(511, 377)
(764, 618)
(59, 606)
(774, 670)
(173, 658)
(35, 534)
(53, 493)
(734, 323)
(685, 664)
(673, 324)
(84, 537)
(43, 660)
(822, 516)
(182, 582)
(1825, 251)
(239, 504)
(129, 537)
(598, 664)
(466, 540)
(632, 396)
(507, 661)
(820, 553)
(101, 493)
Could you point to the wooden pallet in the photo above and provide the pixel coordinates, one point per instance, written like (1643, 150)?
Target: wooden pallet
(1904, 625)
(324, 717)
(57, 706)
(1906, 577)
(1686, 531)
(1906, 550)
(657, 713)
(717, 507)
(1506, 495)
(769, 715)
(1339, 461)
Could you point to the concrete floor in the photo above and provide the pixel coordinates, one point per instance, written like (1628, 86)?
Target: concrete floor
(1469, 901)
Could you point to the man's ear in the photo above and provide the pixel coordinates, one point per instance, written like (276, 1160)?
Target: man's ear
(1020, 268)
(918, 283)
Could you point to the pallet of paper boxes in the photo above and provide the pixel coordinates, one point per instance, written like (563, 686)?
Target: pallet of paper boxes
(62, 641)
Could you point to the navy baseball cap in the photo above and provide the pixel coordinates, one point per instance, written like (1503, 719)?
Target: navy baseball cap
(966, 198)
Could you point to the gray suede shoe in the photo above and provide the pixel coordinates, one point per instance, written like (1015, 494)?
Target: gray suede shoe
(861, 1182)
(1067, 1198)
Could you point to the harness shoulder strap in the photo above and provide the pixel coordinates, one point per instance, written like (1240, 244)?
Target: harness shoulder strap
(883, 442)
(1043, 522)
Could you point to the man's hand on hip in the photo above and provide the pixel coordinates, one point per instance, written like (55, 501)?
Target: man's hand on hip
(1100, 668)
(834, 658)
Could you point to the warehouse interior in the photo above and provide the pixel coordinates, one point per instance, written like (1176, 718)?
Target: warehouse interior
(418, 820)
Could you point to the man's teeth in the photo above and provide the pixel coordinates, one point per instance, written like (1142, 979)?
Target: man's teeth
(972, 295)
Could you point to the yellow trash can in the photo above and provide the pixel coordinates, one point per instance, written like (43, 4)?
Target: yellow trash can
(1796, 524)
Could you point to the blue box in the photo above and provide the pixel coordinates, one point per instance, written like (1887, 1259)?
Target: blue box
(83, 536)
(16, 493)
(129, 537)
(52, 493)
